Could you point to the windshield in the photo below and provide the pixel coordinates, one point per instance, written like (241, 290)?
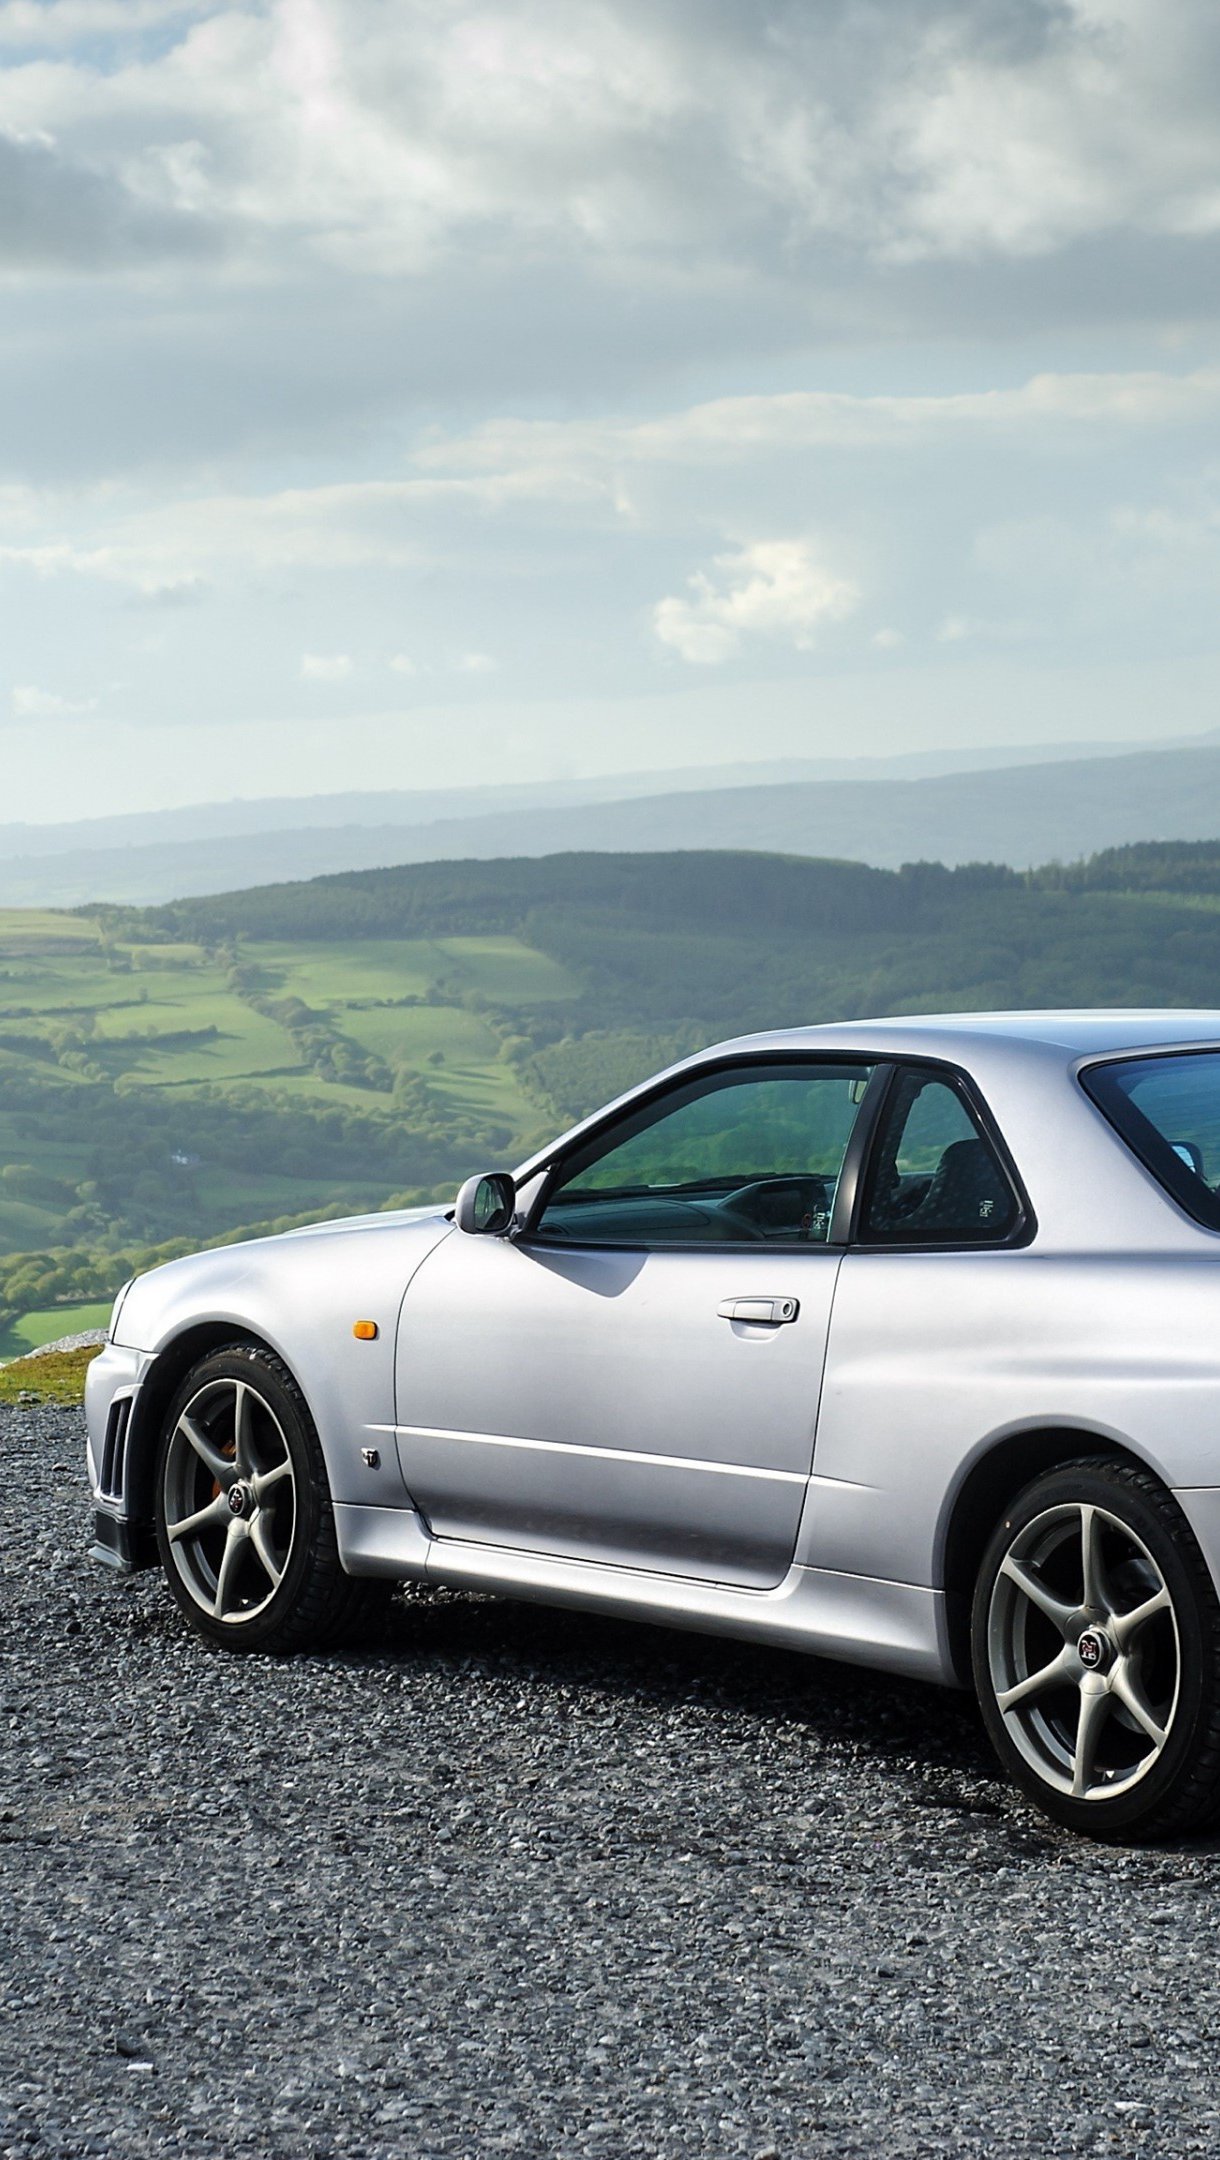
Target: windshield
(1168, 1112)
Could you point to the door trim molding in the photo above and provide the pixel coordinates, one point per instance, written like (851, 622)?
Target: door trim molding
(599, 1454)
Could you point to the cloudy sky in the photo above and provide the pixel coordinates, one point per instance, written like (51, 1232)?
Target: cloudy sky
(403, 391)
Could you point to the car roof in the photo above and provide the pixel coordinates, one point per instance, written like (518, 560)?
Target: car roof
(1064, 1036)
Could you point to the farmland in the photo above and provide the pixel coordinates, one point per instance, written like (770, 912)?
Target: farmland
(177, 1091)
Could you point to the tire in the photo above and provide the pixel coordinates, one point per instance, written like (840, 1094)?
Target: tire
(1095, 1642)
(245, 1523)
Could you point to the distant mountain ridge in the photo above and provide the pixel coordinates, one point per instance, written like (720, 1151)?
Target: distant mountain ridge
(423, 806)
(1065, 807)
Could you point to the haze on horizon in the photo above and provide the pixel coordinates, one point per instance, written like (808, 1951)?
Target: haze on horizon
(426, 394)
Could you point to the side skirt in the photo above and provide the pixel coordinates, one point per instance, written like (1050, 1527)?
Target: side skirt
(895, 1627)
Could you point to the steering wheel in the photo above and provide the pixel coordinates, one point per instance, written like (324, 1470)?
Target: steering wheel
(771, 1207)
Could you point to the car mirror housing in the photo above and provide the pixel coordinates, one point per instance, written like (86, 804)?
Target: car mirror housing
(486, 1204)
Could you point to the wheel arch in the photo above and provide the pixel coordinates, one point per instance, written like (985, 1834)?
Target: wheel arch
(996, 1476)
(157, 1391)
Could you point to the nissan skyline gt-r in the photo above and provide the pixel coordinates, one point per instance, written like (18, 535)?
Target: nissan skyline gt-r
(893, 1342)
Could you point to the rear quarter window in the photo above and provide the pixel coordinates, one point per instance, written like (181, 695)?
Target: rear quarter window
(1167, 1109)
(935, 1177)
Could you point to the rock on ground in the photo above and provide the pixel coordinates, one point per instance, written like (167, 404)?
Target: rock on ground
(86, 1339)
(519, 1882)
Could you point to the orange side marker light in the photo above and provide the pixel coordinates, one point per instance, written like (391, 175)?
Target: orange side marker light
(366, 1331)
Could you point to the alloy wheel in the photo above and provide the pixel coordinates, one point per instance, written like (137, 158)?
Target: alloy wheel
(1083, 1651)
(230, 1501)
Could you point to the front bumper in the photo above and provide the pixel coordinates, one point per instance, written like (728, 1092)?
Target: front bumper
(122, 1545)
(121, 1539)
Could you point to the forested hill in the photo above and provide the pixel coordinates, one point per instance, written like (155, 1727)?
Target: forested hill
(733, 941)
(452, 899)
(471, 899)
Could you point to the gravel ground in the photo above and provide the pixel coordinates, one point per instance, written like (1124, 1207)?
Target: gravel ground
(517, 1882)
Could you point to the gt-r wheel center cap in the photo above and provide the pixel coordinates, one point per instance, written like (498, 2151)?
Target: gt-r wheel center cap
(1094, 1649)
(240, 1498)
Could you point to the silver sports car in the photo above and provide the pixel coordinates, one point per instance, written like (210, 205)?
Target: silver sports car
(894, 1342)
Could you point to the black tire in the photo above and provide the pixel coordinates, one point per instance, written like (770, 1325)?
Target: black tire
(282, 1588)
(1119, 1643)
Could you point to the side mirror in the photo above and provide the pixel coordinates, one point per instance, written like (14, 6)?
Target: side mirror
(485, 1205)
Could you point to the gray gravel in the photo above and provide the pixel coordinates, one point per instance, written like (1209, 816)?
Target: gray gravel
(512, 1881)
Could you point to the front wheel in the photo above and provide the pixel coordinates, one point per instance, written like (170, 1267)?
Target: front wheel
(1096, 1653)
(245, 1525)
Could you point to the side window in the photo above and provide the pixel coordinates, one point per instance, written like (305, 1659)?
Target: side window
(742, 1157)
(935, 1178)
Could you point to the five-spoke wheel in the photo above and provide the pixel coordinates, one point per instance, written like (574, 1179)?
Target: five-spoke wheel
(1096, 1629)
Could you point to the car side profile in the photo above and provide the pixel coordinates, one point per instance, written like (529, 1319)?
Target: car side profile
(894, 1342)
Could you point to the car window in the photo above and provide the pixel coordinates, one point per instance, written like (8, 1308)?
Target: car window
(1168, 1111)
(935, 1177)
(738, 1157)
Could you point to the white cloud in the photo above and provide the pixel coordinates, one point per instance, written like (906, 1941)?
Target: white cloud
(1106, 119)
(31, 703)
(475, 663)
(773, 589)
(175, 592)
(888, 639)
(325, 667)
(402, 664)
(176, 550)
(585, 459)
(61, 214)
(381, 136)
(1172, 528)
(967, 629)
(171, 551)
(168, 545)
(49, 23)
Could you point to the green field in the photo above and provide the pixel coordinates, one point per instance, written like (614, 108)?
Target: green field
(157, 1088)
(33, 1329)
(72, 1009)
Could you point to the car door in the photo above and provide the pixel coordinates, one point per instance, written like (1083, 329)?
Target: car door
(635, 1379)
(936, 1319)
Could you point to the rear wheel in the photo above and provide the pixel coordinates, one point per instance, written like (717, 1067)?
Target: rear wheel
(1096, 1651)
(245, 1525)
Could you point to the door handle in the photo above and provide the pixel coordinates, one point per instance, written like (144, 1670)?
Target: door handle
(762, 1311)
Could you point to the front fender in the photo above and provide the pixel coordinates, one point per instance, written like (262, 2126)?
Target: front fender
(299, 1296)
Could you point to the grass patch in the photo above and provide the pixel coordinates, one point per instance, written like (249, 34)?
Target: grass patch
(325, 973)
(506, 970)
(187, 1051)
(24, 928)
(57, 1379)
(34, 1329)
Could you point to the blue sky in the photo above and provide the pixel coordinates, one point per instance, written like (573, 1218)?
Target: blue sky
(408, 391)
